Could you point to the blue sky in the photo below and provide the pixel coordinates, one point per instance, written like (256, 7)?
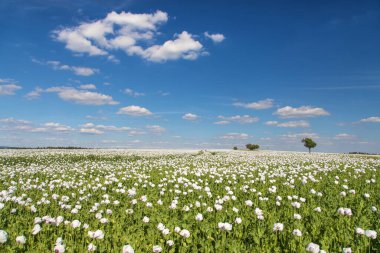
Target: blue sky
(190, 74)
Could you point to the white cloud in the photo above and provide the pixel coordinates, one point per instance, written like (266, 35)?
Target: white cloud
(79, 71)
(90, 131)
(9, 89)
(235, 136)
(183, 46)
(84, 71)
(163, 93)
(12, 124)
(259, 105)
(138, 21)
(87, 87)
(299, 136)
(300, 112)
(96, 117)
(36, 93)
(134, 110)
(82, 96)
(344, 136)
(133, 93)
(14, 121)
(371, 120)
(242, 119)
(156, 129)
(217, 37)
(222, 122)
(131, 33)
(271, 123)
(108, 141)
(53, 126)
(190, 116)
(91, 128)
(76, 41)
(6, 80)
(299, 123)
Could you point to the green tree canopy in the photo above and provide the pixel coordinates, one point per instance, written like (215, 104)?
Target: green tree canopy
(309, 143)
(252, 146)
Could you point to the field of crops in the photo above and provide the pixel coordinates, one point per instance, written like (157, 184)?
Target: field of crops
(166, 201)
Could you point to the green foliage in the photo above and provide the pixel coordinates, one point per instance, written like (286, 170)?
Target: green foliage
(250, 146)
(309, 143)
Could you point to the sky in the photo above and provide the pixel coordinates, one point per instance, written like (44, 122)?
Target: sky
(190, 74)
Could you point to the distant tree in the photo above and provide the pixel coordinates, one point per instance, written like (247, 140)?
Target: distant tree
(235, 148)
(309, 143)
(252, 146)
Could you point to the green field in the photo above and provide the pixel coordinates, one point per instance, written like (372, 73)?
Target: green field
(167, 201)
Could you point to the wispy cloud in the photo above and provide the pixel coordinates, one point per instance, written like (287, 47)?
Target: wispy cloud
(8, 87)
(242, 119)
(259, 105)
(299, 123)
(71, 94)
(133, 93)
(349, 87)
(235, 136)
(370, 120)
(77, 70)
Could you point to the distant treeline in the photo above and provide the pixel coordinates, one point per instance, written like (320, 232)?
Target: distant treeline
(70, 147)
(362, 153)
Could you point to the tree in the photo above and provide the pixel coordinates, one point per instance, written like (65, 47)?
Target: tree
(309, 143)
(252, 146)
(235, 148)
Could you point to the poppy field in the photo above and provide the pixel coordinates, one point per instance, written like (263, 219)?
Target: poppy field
(188, 201)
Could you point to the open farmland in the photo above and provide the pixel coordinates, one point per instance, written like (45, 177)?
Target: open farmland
(167, 201)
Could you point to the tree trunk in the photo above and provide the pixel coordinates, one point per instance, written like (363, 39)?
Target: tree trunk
(309, 150)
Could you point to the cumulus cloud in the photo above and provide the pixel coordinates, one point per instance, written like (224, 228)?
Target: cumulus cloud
(156, 129)
(183, 46)
(131, 33)
(259, 105)
(190, 116)
(133, 93)
(84, 71)
(301, 112)
(82, 96)
(217, 37)
(371, 120)
(299, 123)
(235, 136)
(242, 119)
(134, 110)
(9, 89)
